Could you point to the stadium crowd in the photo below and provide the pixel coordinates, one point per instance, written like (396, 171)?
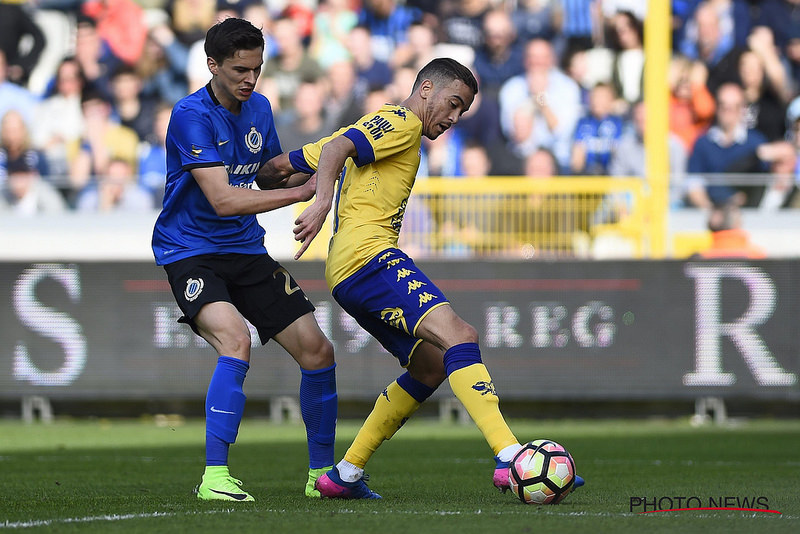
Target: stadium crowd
(86, 89)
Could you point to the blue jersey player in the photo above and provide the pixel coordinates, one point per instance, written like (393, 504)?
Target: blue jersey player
(209, 242)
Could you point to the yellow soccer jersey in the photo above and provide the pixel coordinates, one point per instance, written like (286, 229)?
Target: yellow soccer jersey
(373, 189)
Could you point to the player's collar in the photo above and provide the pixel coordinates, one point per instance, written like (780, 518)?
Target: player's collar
(211, 94)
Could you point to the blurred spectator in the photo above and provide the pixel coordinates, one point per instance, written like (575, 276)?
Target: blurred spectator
(257, 13)
(691, 105)
(59, 120)
(342, 106)
(500, 57)
(783, 18)
(96, 59)
(299, 11)
(16, 28)
(765, 110)
(462, 21)
(305, 122)
(475, 160)
(191, 19)
(116, 190)
(25, 193)
(402, 81)
(481, 125)
(597, 134)
(761, 42)
(707, 39)
(728, 147)
(371, 73)
(422, 45)
(540, 108)
(442, 157)
(534, 18)
(728, 239)
(15, 145)
(388, 24)
(283, 74)
(13, 96)
(162, 66)
(131, 109)
(104, 140)
(153, 155)
(628, 44)
(628, 159)
(710, 42)
(332, 24)
(120, 23)
(197, 73)
(581, 23)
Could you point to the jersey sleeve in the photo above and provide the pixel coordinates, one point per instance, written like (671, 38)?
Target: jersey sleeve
(193, 136)
(376, 136)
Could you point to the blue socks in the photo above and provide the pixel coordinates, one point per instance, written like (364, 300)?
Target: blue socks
(460, 356)
(224, 408)
(418, 391)
(318, 406)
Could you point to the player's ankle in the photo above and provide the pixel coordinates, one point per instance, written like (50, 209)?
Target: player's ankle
(349, 472)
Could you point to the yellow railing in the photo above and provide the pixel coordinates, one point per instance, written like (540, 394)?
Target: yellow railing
(520, 217)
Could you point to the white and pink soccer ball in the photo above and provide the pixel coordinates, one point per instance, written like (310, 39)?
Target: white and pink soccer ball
(542, 472)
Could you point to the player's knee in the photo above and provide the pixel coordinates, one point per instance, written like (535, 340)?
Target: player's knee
(468, 333)
(319, 355)
(239, 343)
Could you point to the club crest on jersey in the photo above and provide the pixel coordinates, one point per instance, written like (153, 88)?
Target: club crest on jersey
(194, 286)
(253, 140)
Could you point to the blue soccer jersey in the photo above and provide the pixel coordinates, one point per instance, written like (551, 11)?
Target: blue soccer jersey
(202, 133)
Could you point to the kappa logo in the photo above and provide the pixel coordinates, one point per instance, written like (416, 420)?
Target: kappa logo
(400, 113)
(395, 261)
(253, 140)
(194, 286)
(485, 387)
(426, 298)
(402, 273)
(388, 254)
(413, 285)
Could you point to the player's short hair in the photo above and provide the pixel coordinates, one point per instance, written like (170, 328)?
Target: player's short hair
(227, 37)
(443, 70)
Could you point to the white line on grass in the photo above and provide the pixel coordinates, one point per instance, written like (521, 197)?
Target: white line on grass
(151, 515)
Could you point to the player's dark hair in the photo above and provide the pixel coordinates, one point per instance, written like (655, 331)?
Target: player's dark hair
(227, 37)
(443, 70)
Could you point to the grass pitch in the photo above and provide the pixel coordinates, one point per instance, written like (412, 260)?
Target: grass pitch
(135, 476)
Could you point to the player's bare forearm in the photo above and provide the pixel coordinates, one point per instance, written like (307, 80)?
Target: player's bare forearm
(331, 161)
(275, 172)
(229, 201)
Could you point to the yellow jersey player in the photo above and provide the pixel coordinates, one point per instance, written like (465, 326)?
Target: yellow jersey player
(375, 162)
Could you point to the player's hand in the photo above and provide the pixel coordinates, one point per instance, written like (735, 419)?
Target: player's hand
(308, 225)
(309, 189)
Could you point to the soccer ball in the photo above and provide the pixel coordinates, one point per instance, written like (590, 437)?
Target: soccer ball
(542, 472)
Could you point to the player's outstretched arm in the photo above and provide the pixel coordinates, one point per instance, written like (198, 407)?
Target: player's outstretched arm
(331, 161)
(230, 201)
(277, 172)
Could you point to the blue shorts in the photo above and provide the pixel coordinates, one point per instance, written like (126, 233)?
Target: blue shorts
(389, 297)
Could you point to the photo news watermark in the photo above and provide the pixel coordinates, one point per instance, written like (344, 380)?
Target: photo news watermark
(649, 505)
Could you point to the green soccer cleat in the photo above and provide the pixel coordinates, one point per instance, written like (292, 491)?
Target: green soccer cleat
(219, 485)
(313, 475)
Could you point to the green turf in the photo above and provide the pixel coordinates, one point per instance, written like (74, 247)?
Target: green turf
(133, 476)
